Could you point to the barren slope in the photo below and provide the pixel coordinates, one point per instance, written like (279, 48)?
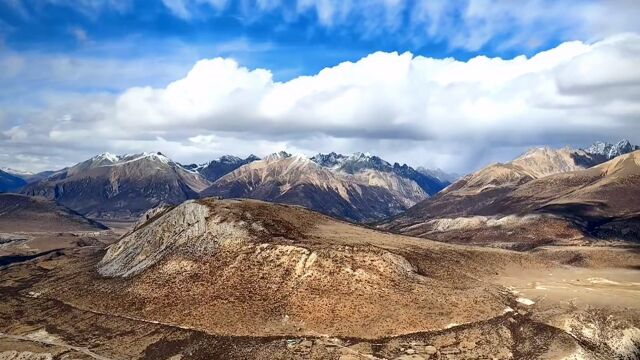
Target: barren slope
(119, 187)
(296, 180)
(600, 202)
(240, 279)
(245, 267)
(21, 213)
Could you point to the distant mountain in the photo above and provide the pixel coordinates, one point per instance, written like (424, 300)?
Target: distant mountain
(550, 190)
(360, 162)
(29, 176)
(533, 164)
(215, 169)
(439, 174)
(23, 213)
(16, 172)
(10, 182)
(109, 186)
(603, 151)
(362, 196)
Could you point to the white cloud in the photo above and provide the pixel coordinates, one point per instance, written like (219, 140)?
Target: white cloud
(437, 112)
(465, 24)
(184, 9)
(79, 34)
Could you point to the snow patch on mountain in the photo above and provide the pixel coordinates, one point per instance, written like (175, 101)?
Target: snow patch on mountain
(16, 172)
(609, 151)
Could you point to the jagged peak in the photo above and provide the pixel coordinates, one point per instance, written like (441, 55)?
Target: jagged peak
(330, 160)
(145, 155)
(609, 150)
(536, 150)
(229, 159)
(106, 156)
(277, 156)
(109, 159)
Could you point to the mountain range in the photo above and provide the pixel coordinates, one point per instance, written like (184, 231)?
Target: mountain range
(242, 278)
(109, 186)
(564, 195)
(358, 187)
(360, 162)
(363, 193)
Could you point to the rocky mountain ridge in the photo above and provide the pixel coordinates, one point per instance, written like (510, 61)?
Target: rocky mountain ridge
(540, 197)
(119, 186)
(359, 162)
(609, 151)
(295, 179)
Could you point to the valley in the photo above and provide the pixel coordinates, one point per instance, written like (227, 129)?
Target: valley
(244, 278)
(320, 180)
(519, 274)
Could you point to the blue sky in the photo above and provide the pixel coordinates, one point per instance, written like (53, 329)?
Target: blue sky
(287, 37)
(60, 53)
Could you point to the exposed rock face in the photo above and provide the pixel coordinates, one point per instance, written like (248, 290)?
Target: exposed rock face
(599, 202)
(607, 151)
(537, 163)
(108, 186)
(533, 164)
(240, 279)
(359, 162)
(21, 213)
(366, 195)
(144, 247)
(246, 267)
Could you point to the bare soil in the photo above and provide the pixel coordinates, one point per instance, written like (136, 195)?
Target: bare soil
(303, 286)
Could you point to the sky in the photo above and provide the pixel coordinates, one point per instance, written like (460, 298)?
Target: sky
(443, 84)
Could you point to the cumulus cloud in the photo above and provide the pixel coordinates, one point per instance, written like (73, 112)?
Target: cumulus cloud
(447, 113)
(391, 95)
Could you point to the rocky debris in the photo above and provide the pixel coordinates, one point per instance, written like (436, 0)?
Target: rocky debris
(410, 357)
(137, 251)
(612, 335)
(199, 286)
(24, 355)
(430, 350)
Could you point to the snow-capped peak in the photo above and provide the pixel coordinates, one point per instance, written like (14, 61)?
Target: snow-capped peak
(106, 156)
(277, 156)
(16, 171)
(229, 159)
(610, 151)
(330, 160)
(535, 151)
